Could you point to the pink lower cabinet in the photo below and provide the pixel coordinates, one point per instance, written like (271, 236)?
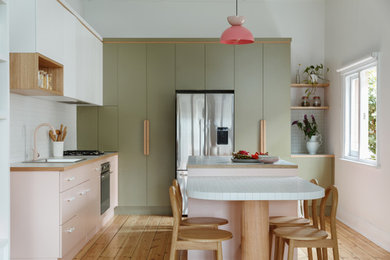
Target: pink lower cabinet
(55, 213)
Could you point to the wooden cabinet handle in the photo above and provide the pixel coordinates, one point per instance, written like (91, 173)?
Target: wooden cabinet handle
(146, 137)
(263, 147)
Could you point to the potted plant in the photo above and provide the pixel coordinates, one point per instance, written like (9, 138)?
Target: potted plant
(312, 135)
(314, 73)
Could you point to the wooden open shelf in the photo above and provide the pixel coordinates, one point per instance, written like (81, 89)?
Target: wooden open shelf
(312, 155)
(321, 85)
(24, 69)
(309, 108)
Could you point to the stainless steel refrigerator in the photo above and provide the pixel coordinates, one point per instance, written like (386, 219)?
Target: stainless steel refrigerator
(204, 127)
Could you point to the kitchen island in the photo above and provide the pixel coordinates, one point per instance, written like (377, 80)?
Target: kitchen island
(246, 194)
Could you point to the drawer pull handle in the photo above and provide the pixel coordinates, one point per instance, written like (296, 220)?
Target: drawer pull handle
(71, 178)
(84, 192)
(70, 230)
(70, 199)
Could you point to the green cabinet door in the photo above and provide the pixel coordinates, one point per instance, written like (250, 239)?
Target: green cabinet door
(219, 66)
(110, 74)
(248, 96)
(277, 98)
(131, 116)
(87, 131)
(161, 113)
(108, 128)
(190, 66)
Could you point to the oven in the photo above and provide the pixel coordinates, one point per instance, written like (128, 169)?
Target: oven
(105, 187)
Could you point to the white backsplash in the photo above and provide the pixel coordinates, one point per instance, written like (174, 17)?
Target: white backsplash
(26, 113)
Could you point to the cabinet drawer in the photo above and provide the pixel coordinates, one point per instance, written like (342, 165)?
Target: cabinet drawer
(73, 177)
(74, 201)
(72, 233)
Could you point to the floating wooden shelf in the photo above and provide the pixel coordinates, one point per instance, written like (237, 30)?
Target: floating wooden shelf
(321, 85)
(312, 155)
(309, 108)
(24, 69)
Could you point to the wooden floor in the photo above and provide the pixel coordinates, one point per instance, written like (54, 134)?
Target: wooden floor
(148, 237)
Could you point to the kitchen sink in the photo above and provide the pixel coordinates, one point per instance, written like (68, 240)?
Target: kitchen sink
(56, 160)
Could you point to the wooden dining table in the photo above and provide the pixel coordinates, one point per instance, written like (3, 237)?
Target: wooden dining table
(250, 196)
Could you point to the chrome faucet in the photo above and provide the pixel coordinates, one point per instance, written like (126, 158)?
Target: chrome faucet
(35, 152)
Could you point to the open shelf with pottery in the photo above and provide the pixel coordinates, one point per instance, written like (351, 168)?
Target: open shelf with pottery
(298, 140)
(24, 71)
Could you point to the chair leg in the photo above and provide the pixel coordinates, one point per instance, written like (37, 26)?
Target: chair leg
(325, 253)
(319, 253)
(271, 236)
(173, 252)
(291, 250)
(309, 253)
(336, 252)
(280, 248)
(219, 251)
(276, 250)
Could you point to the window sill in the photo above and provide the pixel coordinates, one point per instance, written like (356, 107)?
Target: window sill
(352, 160)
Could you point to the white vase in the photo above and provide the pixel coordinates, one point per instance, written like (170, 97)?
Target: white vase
(313, 144)
(313, 78)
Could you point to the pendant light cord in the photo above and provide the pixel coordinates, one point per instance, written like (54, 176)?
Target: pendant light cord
(236, 7)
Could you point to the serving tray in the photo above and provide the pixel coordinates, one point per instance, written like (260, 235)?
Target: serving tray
(245, 160)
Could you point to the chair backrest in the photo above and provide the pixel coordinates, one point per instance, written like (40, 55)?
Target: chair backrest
(313, 204)
(176, 211)
(175, 183)
(331, 190)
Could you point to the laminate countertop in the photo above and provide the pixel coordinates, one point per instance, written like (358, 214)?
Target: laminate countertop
(226, 162)
(33, 166)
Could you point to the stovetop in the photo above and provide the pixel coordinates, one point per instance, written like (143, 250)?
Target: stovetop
(83, 153)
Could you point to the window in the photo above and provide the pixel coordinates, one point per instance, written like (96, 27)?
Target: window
(360, 110)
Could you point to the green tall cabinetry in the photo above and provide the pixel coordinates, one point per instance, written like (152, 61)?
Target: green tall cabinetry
(140, 80)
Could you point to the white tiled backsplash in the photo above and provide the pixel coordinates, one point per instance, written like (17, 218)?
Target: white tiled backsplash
(298, 143)
(27, 113)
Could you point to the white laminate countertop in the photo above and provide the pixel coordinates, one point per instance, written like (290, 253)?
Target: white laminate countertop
(252, 188)
(33, 166)
(226, 162)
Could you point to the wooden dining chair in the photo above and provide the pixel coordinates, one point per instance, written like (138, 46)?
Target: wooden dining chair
(192, 237)
(289, 221)
(197, 221)
(311, 236)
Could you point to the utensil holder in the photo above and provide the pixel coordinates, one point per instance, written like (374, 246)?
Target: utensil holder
(58, 149)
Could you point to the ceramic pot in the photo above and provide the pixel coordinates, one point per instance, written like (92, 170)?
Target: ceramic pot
(58, 149)
(313, 78)
(313, 144)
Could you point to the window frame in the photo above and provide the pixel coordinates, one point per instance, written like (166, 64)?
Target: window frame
(348, 73)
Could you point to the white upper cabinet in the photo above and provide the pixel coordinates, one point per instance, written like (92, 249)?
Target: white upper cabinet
(56, 31)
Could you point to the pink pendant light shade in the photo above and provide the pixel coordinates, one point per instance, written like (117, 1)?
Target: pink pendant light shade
(237, 34)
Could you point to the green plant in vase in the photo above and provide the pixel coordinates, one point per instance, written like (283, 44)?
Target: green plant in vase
(312, 135)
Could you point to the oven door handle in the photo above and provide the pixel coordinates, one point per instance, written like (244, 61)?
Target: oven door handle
(104, 175)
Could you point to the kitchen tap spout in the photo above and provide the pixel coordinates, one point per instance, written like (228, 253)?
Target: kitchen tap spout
(35, 152)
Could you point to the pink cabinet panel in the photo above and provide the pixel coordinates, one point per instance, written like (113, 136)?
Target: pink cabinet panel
(72, 233)
(53, 214)
(74, 200)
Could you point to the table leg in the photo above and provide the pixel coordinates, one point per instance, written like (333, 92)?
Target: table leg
(255, 230)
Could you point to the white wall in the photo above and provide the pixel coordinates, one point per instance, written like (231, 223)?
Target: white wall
(26, 114)
(77, 5)
(302, 20)
(354, 28)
